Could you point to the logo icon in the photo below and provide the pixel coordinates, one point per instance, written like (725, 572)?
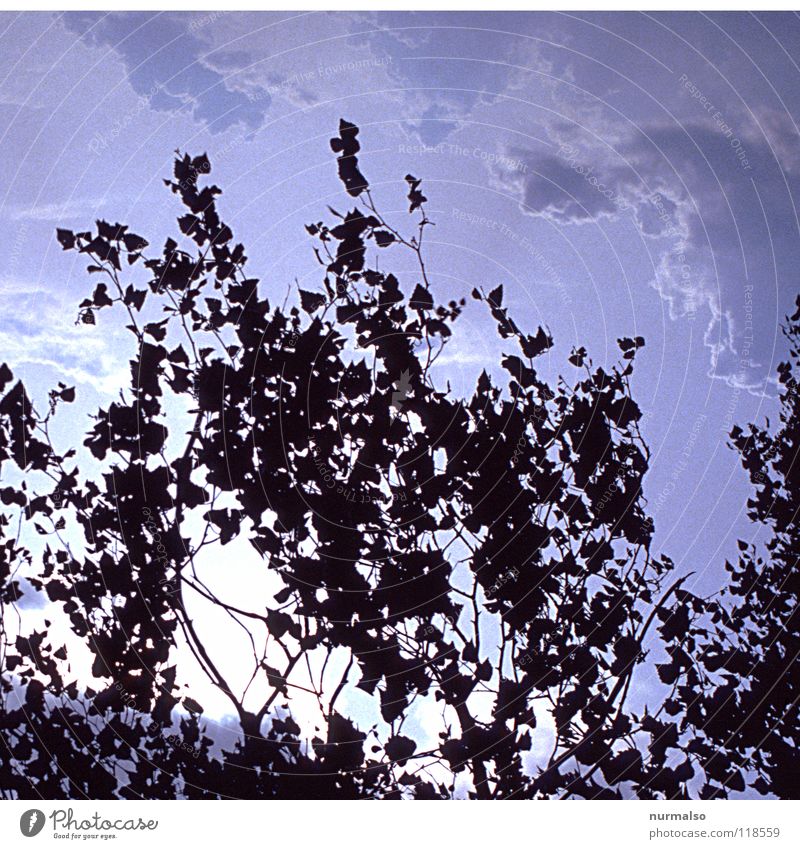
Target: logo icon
(31, 822)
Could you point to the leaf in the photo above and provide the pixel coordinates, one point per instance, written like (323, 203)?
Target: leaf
(157, 330)
(191, 705)
(415, 196)
(110, 232)
(484, 671)
(533, 346)
(135, 298)
(496, 297)
(399, 749)
(189, 223)
(347, 146)
(676, 623)
(626, 766)
(6, 376)
(201, 164)
(421, 299)
(275, 679)
(629, 346)
(279, 623)
(402, 389)
(668, 672)
(66, 238)
(735, 781)
(226, 521)
(100, 297)
(311, 301)
(134, 243)
(578, 357)
(455, 752)
(383, 237)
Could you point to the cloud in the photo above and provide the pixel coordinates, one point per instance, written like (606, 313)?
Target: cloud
(302, 60)
(738, 245)
(567, 190)
(625, 140)
(57, 211)
(36, 329)
(165, 61)
(715, 209)
(710, 192)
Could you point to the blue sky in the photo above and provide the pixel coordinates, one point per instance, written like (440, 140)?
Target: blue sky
(620, 174)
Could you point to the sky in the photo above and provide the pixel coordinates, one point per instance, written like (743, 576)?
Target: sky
(620, 174)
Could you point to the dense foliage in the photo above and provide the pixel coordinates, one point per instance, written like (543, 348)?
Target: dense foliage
(481, 560)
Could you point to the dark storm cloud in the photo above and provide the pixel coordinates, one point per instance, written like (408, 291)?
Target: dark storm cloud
(566, 188)
(717, 204)
(741, 244)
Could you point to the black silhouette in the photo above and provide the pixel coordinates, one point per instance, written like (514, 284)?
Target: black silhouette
(487, 557)
(741, 691)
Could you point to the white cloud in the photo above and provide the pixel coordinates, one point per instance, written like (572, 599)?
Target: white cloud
(38, 330)
(57, 211)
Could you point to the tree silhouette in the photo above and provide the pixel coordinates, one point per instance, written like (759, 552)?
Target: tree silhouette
(483, 562)
(744, 648)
